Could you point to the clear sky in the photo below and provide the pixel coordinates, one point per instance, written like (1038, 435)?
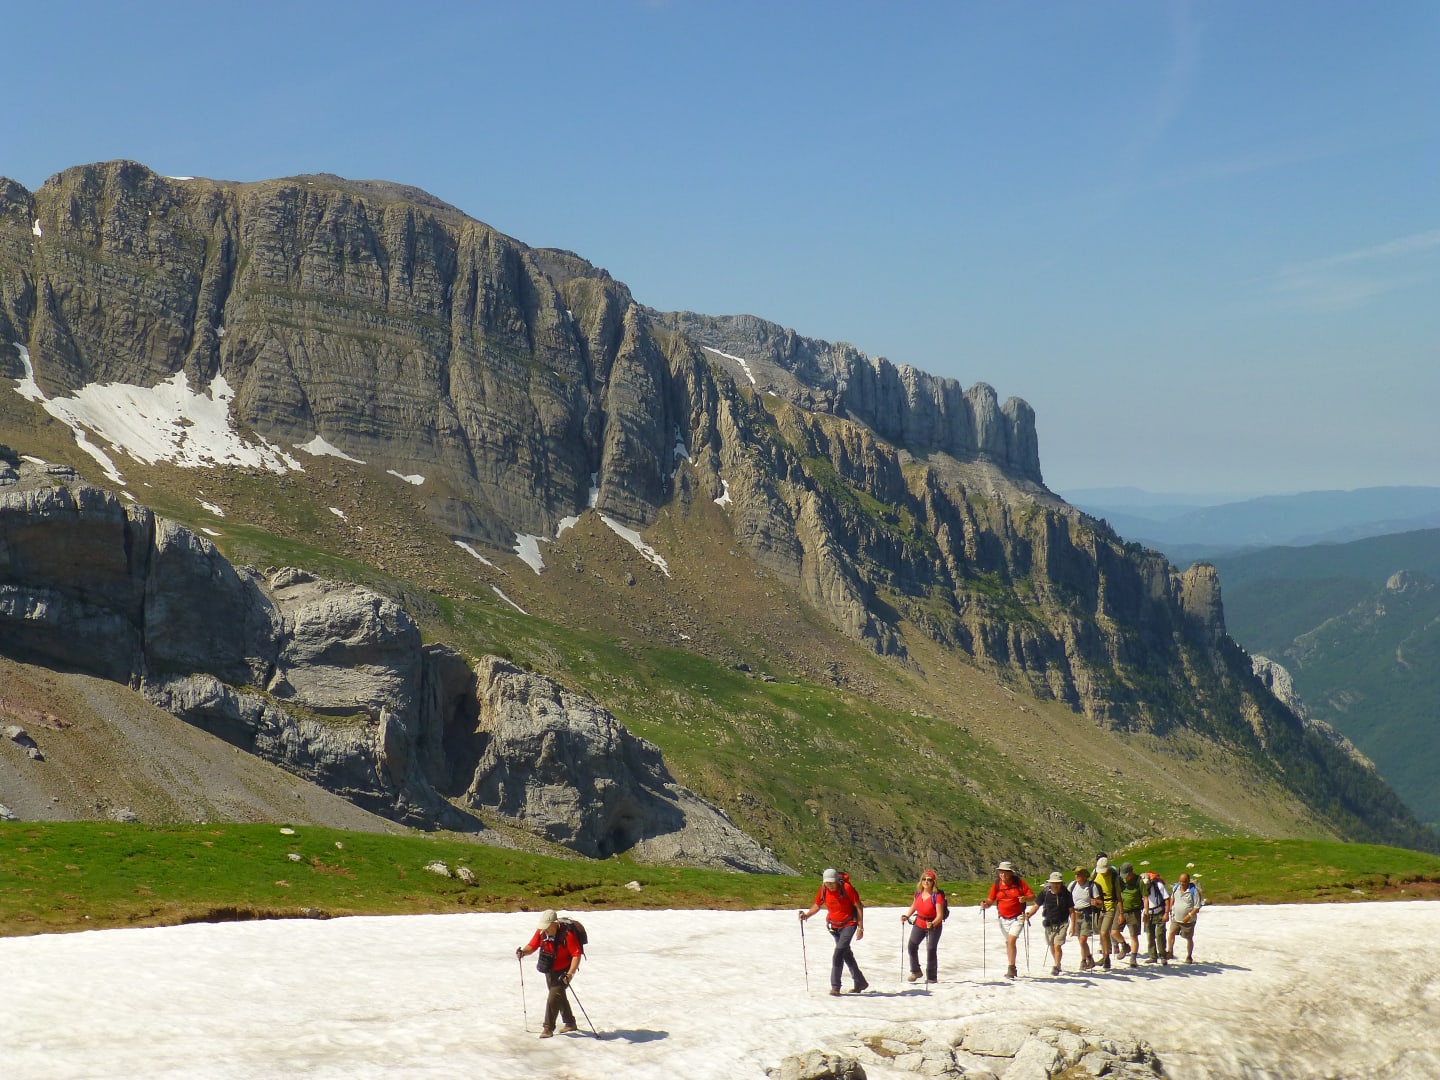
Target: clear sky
(1202, 240)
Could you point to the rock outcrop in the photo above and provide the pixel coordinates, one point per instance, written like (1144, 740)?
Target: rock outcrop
(333, 683)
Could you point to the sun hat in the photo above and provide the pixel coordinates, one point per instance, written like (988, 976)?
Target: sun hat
(1082, 870)
(1127, 868)
(1102, 864)
(830, 875)
(1006, 865)
(547, 917)
(1055, 877)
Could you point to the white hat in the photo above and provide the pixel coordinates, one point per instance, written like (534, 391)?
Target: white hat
(830, 875)
(1056, 876)
(1006, 865)
(547, 917)
(1102, 864)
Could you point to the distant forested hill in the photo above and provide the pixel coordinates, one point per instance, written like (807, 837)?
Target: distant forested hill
(1358, 626)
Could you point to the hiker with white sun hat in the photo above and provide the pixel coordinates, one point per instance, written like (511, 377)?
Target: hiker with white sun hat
(1008, 893)
(1057, 915)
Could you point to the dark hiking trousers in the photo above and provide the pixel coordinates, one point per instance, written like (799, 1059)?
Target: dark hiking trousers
(843, 957)
(931, 937)
(1155, 930)
(557, 1001)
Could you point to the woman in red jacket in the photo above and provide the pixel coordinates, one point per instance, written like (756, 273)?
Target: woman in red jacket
(927, 913)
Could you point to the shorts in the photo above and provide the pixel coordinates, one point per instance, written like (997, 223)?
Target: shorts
(1085, 920)
(1012, 927)
(1183, 929)
(1132, 921)
(1055, 935)
(1106, 922)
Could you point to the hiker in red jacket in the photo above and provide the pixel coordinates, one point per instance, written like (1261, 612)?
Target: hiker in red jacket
(845, 919)
(560, 953)
(926, 916)
(1009, 893)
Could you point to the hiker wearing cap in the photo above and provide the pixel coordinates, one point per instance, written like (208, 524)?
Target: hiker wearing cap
(845, 919)
(560, 953)
(927, 913)
(1057, 915)
(1132, 907)
(1107, 883)
(1157, 910)
(1008, 893)
(1086, 898)
(1185, 905)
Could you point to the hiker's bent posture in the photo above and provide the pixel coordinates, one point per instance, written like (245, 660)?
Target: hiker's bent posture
(928, 912)
(560, 953)
(1057, 915)
(1009, 893)
(845, 919)
(1184, 906)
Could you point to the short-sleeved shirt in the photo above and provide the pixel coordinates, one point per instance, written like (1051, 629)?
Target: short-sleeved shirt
(1107, 882)
(1010, 899)
(1055, 907)
(1085, 894)
(841, 905)
(1157, 895)
(1187, 899)
(927, 908)
(564, 946)
(1132, 894)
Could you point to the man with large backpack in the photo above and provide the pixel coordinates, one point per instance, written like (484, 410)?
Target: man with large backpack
(1057, 915)
(1185, 905)
(1157, 910)
(845, 919)
(561, 948)
(1008, 893)
(1107, 883)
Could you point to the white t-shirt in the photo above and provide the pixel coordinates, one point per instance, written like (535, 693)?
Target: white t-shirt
(1083, 895)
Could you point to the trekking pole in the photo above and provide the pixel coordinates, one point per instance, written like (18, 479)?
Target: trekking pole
(984, 934)
(903, 927)
(804, 956)
(1027, 946)
(583, 1013)
(524, 1009)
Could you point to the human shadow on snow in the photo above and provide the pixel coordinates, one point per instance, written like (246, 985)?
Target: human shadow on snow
(633, 1035)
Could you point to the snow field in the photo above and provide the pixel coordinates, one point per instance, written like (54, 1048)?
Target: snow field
(1290, 991)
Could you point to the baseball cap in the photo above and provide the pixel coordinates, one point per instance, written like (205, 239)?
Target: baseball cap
(547, 917)
(830, 875)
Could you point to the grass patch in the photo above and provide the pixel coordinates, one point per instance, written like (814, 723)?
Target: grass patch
(1252, 871)
(64, 876)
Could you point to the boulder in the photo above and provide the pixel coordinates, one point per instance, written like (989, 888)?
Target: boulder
(817, 1065)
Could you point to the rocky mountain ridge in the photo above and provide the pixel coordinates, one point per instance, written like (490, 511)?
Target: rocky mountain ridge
(518, 389)
(332, 682)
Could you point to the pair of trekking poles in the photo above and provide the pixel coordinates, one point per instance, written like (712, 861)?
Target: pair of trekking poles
(525, 1008)
(984, 944)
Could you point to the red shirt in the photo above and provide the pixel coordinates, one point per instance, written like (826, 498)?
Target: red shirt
(841, 905)
(563, 945)
(927, 908)
(1008, 899)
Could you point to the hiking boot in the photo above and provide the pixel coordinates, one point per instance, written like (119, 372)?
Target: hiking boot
(834, 991)
(1106, 965)
(566, 1029)
(1011, 973)
(860, 987)
(547, 1033)
(1134, 963)
(1055, 970)
(914, 976)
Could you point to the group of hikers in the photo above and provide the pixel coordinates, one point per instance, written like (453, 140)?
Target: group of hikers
(1104, 903)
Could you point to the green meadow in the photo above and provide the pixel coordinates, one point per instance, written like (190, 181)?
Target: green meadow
(64, 876)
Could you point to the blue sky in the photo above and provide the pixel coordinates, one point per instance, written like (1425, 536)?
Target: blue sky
(1203, 241)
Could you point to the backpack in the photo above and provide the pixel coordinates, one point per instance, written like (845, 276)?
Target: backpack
(575, 929)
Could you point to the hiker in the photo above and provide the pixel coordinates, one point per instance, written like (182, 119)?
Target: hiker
(1132, 906)
(1057, 914)
(1086, 898)
(926, 916)
(1157, 910)
(1185, 905)
(1008, 893)
(1107, 883)
(845, 919)
(560, 954)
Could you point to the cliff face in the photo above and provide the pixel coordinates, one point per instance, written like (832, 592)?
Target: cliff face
(332, 683)
(523, 385)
